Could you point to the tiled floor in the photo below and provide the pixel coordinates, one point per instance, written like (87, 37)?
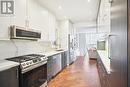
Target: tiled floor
(82, 73)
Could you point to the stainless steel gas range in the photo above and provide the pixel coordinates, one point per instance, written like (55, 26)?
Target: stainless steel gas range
(32, 70)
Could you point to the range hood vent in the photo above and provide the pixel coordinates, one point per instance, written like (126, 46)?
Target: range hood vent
(23, 33)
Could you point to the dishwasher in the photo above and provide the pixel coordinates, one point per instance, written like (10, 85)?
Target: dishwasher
(57, 64)
(64, 59)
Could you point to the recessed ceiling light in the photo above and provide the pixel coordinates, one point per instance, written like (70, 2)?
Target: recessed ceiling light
(60, 7)
(88, 0)
(65, 17)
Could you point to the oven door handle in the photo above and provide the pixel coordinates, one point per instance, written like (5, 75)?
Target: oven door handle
(17, 73)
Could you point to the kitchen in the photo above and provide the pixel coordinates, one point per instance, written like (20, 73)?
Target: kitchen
(64, 43)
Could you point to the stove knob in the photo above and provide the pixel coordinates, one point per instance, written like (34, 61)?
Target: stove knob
(23, 64)
(27, 63)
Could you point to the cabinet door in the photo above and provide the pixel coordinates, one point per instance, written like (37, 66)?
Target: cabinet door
(63, 60)
(38, 19)
(4, 25)
(20, 13)
(9, 78)
(41, 19)
(59, 62)
(65, 56)
(118, 51)
(49, 68)
(18, 19)
(52, 27)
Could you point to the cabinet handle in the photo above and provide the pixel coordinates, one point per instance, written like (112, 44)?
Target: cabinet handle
(111, 35)
(17, 73)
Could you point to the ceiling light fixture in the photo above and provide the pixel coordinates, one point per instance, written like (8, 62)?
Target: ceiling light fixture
(60, 7)
(88, 0)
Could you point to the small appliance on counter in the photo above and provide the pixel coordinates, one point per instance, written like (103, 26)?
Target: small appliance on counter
(32, 70)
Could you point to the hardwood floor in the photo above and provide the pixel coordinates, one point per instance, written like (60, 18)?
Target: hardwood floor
(82, 73)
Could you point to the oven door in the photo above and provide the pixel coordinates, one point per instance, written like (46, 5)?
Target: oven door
(35, 77)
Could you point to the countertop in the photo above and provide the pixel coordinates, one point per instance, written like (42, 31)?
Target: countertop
(51, 53)
(105, 60)
(5, 64)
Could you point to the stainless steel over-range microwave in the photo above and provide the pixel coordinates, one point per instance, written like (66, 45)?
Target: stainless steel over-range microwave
(23, 33)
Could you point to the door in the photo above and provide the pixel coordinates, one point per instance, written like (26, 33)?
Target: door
(118, 50)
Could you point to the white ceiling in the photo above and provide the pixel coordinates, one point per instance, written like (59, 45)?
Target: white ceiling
(75, 10)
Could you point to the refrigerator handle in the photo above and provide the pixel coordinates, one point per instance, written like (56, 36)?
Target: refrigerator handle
(109, 45)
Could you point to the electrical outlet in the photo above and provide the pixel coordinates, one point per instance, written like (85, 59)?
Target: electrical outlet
(26, 23)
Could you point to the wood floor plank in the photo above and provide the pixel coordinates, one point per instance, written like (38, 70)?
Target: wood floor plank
(82, 73)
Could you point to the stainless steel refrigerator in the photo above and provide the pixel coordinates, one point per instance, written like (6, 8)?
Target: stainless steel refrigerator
(71, 48)
(118, 48)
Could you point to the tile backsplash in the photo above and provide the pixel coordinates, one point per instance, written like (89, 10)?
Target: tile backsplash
(7, 49)
(12, 48)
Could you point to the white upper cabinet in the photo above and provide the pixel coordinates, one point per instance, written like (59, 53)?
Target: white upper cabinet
(65, 29)
(4, 28)
(52, 28)
(37, 17)
(18, 19)
(20, 13)
(41, 19)
(29, 13)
